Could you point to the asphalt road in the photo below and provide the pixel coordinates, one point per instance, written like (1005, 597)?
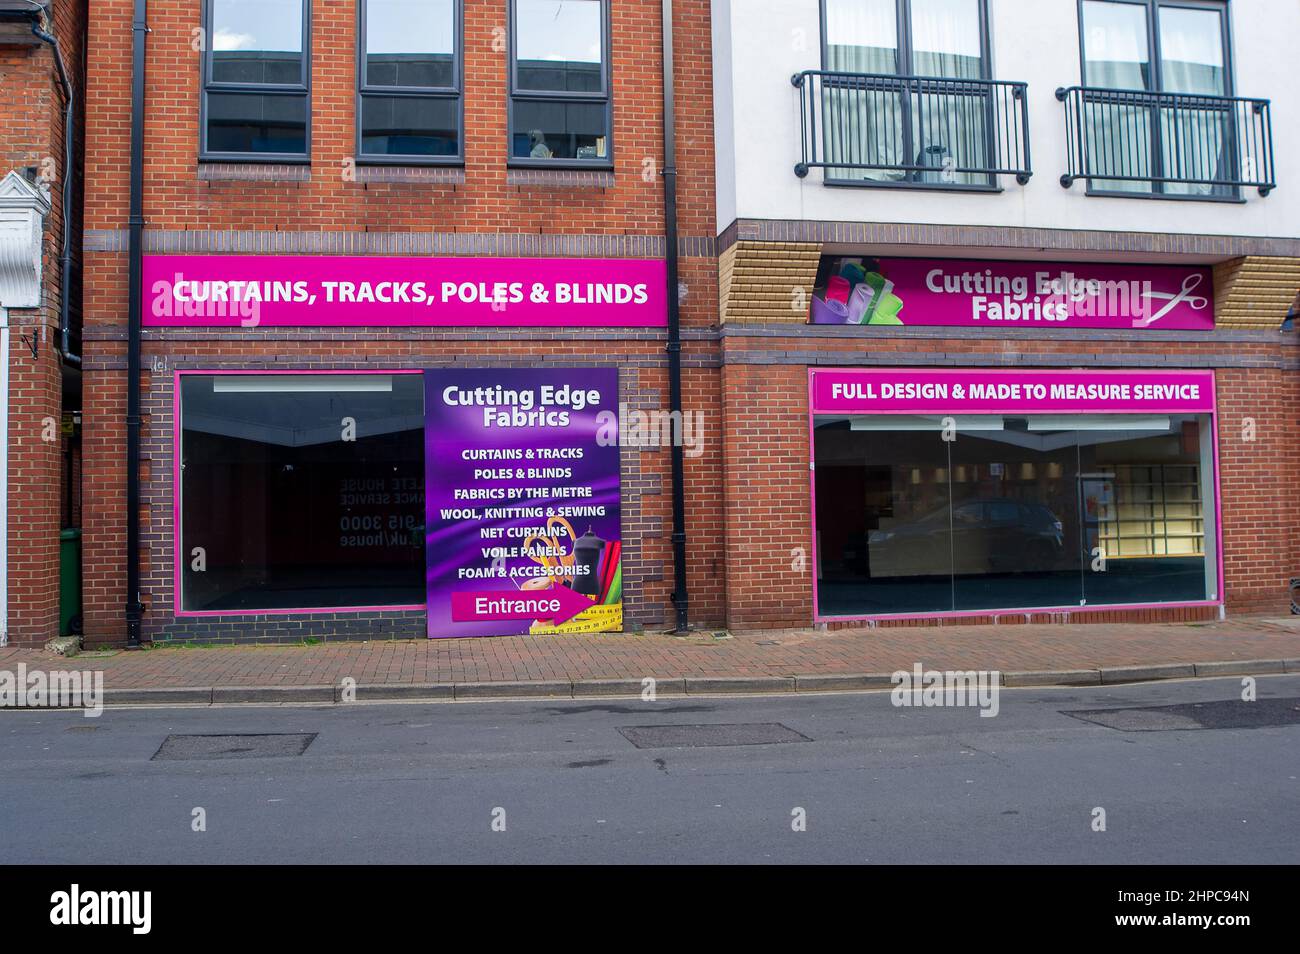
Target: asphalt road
(423, 783)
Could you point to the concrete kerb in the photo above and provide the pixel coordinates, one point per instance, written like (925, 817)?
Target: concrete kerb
(676, 686)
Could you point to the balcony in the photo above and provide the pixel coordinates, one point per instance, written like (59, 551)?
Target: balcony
(1168, 145)
(880, 129)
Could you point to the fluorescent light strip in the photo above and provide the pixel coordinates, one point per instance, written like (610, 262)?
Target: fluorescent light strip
(300, 383)
(1097, 422)
(912, 422)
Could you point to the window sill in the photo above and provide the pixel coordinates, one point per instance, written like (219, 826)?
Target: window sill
(222, 170)
(908, 186)
(561, 178)
(1167, 196)
(409, 174)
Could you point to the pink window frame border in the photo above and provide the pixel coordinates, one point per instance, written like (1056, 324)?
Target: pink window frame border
(177, 611)
(1020, 610)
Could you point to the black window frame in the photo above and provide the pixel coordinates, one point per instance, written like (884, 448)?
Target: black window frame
(207, 86)
(515, 95)
(456, 92)
(1156, 85)
(903, 66)
(903, 29)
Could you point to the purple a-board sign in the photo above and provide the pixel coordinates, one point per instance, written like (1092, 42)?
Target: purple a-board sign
(522, 501)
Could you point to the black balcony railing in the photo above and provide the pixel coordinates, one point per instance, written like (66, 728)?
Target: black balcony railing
(1180, 144)
(880, 128)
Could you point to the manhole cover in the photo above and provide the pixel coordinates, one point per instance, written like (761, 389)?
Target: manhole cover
(1227, 714)
(691, 736)
(256, 746)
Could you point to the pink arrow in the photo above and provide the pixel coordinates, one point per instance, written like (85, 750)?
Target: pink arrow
(559, 604)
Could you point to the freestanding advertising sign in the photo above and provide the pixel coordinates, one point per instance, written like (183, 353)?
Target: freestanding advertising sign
(522, 501)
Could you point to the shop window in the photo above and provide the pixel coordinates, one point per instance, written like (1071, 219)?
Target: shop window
(559, 83)
(1015, 513)
(409, 81)
(256, 69)
(300, 491)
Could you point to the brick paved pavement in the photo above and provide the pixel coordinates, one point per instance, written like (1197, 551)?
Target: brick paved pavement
(781, 653)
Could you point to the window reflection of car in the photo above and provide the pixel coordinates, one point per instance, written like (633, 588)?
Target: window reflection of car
(987, 536)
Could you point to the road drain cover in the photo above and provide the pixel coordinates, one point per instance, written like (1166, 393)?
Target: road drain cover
(1227, 714)
(692, 736)
(253, 746)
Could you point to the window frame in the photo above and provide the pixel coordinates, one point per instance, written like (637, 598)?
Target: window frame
(903, 28)
(514, 95)
(1156, 62)
(904, 67)
(456, 92)
(208, 86)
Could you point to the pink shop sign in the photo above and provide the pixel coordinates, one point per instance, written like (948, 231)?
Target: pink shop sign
(248, 291)
(861, 290)
(988, 391)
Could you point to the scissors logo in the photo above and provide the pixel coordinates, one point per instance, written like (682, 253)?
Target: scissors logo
(1184, 294)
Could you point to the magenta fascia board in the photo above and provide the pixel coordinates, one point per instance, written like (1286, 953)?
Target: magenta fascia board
(233, 291)
(1004, 391)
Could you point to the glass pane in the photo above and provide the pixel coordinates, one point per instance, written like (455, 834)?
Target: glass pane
(559, 130)
(558, 45)
(1117, 140)
(864, 119)
(249, 122)
(1194, 133)
(861, 36)
(1117, 128)
(290, 515)
(257, 41)
(1115, 47)
(946, 38)
(1147, 502)
(863, 126)
(883, 531)
(409, 126)
(1015, 518)
(411, 43)
(950, 131)
(1191, 51)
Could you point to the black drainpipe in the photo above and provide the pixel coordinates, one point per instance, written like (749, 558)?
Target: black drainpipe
(674, 329)
(65, 259)
(135, 224)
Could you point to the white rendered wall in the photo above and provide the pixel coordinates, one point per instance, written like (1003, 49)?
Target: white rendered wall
(1033, 41)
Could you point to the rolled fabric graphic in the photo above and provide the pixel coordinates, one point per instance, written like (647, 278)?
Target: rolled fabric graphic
(860, 303)
(829, 312)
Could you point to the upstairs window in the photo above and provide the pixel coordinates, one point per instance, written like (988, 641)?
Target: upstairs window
(910, 130)
(256, 79)
(1136, 47)
(409, 81)
(559, 83)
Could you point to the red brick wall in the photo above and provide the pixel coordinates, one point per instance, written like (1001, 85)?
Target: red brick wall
(766, 465)
(32, 134)
(176, 198)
